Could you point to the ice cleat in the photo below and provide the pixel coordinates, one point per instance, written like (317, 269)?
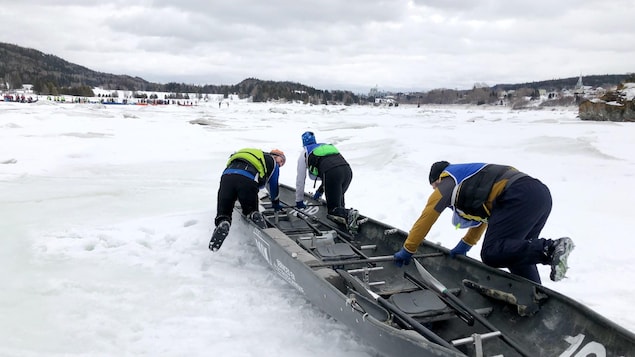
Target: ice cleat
(560, 252)
(258, 219)
(351, 220)
(218, 237)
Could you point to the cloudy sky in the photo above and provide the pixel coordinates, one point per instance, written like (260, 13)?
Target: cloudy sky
(332, 44)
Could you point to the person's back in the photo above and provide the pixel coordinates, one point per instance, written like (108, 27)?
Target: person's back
(324, 162)
(247, 171)
(508, 205)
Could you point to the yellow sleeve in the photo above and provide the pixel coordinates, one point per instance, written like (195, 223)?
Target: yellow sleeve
(474, 234)
(423, 224)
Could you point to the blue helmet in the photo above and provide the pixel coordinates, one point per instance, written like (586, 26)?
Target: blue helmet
(308, 138)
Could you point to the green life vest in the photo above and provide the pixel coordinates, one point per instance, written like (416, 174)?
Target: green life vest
(316, 154)
(253, 156)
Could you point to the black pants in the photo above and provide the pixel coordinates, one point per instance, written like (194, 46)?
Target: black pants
(511, 240)
(235, 187)
(336, 181)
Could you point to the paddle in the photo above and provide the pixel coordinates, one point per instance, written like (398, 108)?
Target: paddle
(416, 325)
(376, 259)
(441, 290)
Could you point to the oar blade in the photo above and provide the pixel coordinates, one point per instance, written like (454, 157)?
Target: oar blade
(429, 278)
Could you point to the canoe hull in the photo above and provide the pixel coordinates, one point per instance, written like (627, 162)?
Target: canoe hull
(536, 318)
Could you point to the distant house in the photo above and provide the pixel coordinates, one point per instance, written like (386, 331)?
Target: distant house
(388, 100)
(382, 98)
(26, 89)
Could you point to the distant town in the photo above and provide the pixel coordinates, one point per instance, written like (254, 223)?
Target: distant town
(514, 98)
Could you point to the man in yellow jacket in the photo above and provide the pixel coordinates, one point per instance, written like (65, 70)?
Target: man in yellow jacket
(508, 205)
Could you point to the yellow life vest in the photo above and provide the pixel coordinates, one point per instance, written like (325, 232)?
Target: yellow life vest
(253, 156)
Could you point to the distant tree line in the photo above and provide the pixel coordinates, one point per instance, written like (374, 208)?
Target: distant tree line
(51, 75)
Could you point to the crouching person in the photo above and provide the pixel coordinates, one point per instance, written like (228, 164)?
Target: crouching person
(510, 207)
(323, 162)
(247, 171)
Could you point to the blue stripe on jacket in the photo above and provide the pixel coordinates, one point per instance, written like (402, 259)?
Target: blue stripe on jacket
(240, 172)
(273, 179)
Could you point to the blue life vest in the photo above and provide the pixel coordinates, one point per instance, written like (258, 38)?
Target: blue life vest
(460, 173)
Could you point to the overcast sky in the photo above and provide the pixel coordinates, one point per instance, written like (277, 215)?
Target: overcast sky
(332, 44)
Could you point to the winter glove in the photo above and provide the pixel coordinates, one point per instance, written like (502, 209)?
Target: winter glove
(300, 204)
(276, 205)
(402, 257)
(461, 249)
(317, 195)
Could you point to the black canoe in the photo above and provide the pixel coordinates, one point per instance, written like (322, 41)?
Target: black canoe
(437, 305)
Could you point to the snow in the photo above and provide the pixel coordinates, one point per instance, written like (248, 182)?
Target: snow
(107, 212)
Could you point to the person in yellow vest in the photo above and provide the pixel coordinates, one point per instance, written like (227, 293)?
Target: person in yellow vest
(248, 170)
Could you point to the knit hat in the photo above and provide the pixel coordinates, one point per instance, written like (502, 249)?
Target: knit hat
(280, 154)
(436, 170)
(308, 138)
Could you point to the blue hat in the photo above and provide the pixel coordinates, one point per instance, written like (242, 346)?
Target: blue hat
(308, 138)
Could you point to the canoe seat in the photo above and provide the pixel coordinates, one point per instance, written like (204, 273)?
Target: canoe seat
(418, 303)
(426, 306)
(335, 251)
(291, 227)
